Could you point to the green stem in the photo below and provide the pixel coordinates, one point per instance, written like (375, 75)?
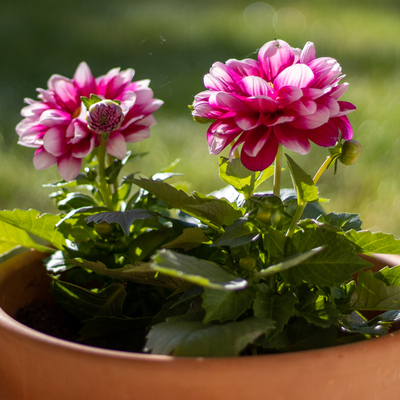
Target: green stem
(103, 186)
(278, 171)
(115, 184)
(237, 154)
(300, 208)
(296, 219)
(323, 167)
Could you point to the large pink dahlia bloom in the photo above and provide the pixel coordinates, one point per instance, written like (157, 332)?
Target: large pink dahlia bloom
(56, 124)
(288, 96)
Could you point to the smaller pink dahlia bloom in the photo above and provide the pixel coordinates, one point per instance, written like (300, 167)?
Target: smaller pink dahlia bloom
(56, 124)
(287, 96)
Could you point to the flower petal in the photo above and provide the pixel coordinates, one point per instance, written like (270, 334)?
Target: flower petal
(288, 94)
(256, 86)
(246, 67)
(69, 167)
(228, 102)
(304, 106)
(66, 92)
(274, 57)
(308, 53)
(345, 108)
(83, 148)
(141, 133)
(320, 117)
(259, 150)
(84, 80)
(42, 159)
(214, 83)
(54, 142)
(292, 138)
(247, 121)
(54, 117)
(116, 145)
(298, 75)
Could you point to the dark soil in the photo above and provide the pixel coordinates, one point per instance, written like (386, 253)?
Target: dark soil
(53, 321)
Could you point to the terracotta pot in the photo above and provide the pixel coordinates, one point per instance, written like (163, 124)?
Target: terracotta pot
(35, 366)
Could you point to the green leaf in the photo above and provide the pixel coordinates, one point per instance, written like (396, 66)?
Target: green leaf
(195, 270)
(87, 102)
(344, 221)
(226, 306)
(144, 246)
(76, 200)
(207, 209)
(391, 276)
(372, 293)
(189, 239)
(274, 242)
(196, 339)
(113, 170)
(239, 233)
(288, 263)
(378, 242)
(277, 308)
(32, 221)
(141, 273)
(243, 180)
(74, 227)
(332, 266)
(80, 180)
(355, 323)
(317, 310)
(84, 303)
(302, 182)
(123, 218)
(11, 238)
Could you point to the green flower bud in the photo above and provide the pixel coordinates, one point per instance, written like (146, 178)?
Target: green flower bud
(351, 149)
(247, 262)
(268, 215)
(104, 229)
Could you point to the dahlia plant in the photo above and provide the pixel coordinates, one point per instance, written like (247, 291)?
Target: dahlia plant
(231, 273)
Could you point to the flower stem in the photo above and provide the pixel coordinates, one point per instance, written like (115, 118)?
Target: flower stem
(103, 186)
(278, 171)
(300, 208)
(296, 219)
(323, 167)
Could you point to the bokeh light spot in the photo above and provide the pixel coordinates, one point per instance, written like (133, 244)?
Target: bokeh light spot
(289, 21)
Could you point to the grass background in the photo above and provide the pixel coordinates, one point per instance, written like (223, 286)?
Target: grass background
(174, 43)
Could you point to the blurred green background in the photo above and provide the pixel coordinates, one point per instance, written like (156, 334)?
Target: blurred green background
(174, 43)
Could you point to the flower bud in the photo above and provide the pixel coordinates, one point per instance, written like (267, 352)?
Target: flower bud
(104, 229)
(268, 215)
(351, 149)
(248, 263)
(105, 116)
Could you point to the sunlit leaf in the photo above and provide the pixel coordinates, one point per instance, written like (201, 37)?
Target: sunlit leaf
(243, 180)
(197, 271)
(332, 266)
(378, 242)
(32, 221)
(303, 183)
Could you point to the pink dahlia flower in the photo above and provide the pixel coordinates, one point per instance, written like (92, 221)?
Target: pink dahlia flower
(288, 96)
(56, 124)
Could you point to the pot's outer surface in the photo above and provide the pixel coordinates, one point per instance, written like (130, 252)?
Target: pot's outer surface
(35, 366)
